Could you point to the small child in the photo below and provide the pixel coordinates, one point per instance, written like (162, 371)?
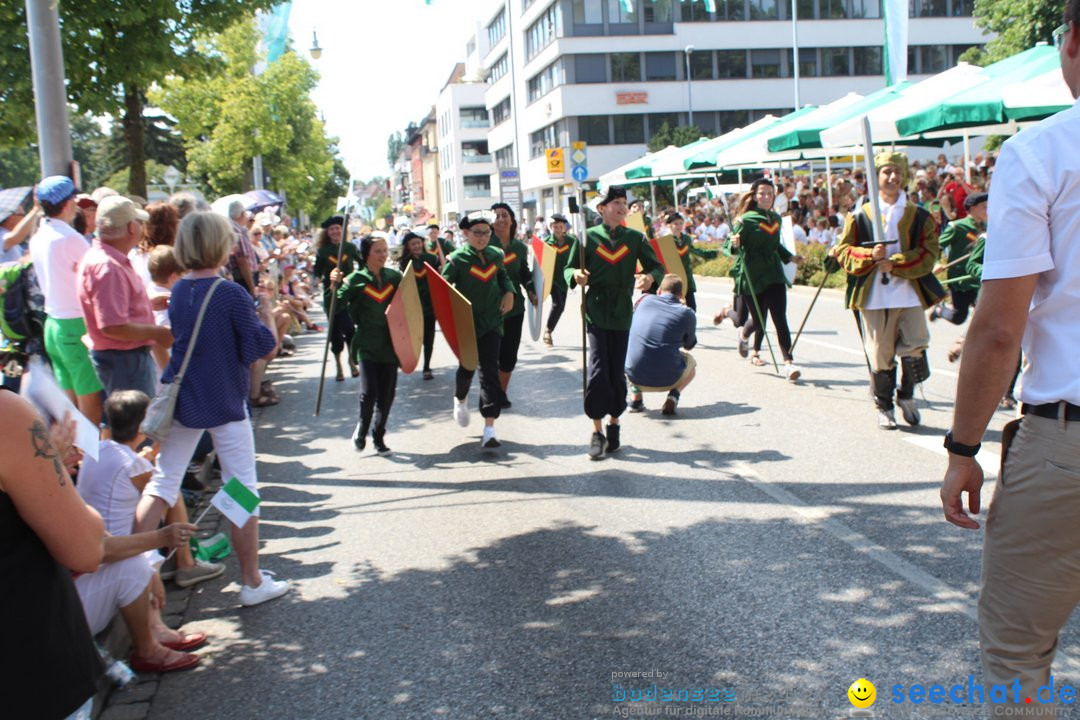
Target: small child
(165, 270)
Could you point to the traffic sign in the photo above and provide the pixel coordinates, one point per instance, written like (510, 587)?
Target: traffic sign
(579, 173)
(580, 158)
(556, 166)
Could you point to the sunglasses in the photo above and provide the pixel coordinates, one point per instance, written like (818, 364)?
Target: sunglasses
(1059, 35)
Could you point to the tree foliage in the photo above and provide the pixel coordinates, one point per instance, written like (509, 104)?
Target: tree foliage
(394, 145)
(230, 116)
(1017, 24)
(678, 136)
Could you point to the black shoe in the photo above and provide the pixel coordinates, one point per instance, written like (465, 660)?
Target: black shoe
(612, 438)
(670, 404)
(597, 446)
(428, 375)
(637, 406)
(505, 403)
(380, 446)
(359, 436)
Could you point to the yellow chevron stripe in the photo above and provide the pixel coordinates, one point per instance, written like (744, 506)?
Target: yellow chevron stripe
(510, 257)
(683, 250)
(972, 237)
(484, 275)
(612, 257)
(378, 296)
(771, 229)
(559, 249)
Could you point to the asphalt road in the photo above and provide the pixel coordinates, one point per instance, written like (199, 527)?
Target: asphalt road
(769, 542)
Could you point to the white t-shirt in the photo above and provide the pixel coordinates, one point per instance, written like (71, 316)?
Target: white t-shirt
(56, 249)
(1033, 229)
(153, 290)
(780, 205)
(11, 255)
(105, 484)
(898, 292)
(722, 231)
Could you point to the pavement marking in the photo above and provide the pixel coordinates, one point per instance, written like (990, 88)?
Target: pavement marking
(990, 461)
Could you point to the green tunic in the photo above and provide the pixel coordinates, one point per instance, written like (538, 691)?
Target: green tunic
(482, 279)
(446, 245)
(366, 301)
(760, 252)
(326, 260)
(957, 239)
(562, 254)
(611, 257)
(974, 264)
(516, 262)
(685, 245)
(421, 279)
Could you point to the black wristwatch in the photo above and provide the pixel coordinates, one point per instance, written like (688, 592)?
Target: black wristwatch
(959, 449)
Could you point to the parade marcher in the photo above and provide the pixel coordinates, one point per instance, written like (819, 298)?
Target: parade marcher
(561, 241)
(477, 271)
(891, 285)
(1030, 276)
(638, 206)
(662, 328)
(759, 271)
(412, 251)
(957, 240)
(366, 294)
(611, 253)
(436, 245)
(685, 245)
(327, 247)
(515, 259)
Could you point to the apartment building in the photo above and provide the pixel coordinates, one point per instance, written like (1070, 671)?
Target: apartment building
(462, 123)
(611, 72)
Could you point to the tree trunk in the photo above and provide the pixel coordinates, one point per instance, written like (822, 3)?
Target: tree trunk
(135, 140)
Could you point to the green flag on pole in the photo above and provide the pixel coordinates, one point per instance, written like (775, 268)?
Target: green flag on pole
(235, 502)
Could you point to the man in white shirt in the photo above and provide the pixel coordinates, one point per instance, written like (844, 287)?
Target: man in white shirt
(1031, 280)
(56, 250)
(890, 285)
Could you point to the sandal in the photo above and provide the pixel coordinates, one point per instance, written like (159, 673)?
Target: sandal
(955, 351)
(263, 400)
(756, 360)
(355, 370)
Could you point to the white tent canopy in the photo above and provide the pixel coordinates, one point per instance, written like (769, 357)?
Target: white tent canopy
(672, 165)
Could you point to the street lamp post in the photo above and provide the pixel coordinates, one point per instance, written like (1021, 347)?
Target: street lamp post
(315, 50)
(50, 95)
(689, 86)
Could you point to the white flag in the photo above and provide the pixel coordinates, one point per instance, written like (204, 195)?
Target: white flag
(896, 41)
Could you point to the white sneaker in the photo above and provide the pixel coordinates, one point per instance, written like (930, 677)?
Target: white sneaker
(268, 589)
(489, 440)
(792, 371)
(461, 411)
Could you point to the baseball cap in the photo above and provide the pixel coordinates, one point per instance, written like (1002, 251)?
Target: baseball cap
(55, 189)
(85, 201)
(117, 211)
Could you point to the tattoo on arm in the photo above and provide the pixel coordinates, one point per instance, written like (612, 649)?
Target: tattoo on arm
(43, 447)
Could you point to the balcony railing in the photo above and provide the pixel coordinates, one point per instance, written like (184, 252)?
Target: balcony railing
(477, 192)
(477, 158)
(473, 123)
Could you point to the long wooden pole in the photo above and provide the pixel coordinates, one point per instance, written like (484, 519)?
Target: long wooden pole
(333, 301)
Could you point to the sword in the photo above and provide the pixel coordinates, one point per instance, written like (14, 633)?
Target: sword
(872, 189)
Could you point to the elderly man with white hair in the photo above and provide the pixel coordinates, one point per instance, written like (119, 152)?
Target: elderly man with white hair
(117, 311)
(243, 262)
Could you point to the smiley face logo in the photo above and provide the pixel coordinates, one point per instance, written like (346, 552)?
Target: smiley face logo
(862, 693)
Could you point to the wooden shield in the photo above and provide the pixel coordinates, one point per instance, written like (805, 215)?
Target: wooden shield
(668, 255)
(636, 221)
(535, 312)
(454, 315)
(787, 238)
(405, 318)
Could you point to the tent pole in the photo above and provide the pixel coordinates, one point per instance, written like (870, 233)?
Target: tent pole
(675, 194)
(828, 179)
(740, 179)
(967, 157)
(652, 196)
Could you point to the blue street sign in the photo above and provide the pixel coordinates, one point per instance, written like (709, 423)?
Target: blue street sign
(579, 173)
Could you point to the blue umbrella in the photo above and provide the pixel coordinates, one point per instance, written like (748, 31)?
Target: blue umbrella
(12, 200)
(260, 199)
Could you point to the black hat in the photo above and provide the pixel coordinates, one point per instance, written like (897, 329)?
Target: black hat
(613, 193)
(556, 217)
(974, 199)
(332, 220)
(673, 217)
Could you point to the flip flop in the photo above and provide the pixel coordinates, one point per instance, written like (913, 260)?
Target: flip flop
(187, 660)
(756, 360)
(186, 642)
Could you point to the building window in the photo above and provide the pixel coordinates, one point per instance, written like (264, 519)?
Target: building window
(477, 186)
(705, 122)
(807, 62)
(660, 66)
(732, 119)
(929, 8)
(806, 9)
(544, 31)
(765, 63)
(659, 120)
(497, 29)
(958, 50)
(629, 129)
(867, 60)
(625, 67)
(763, 10)
(545, 81)
(962, 8)
(935, 58)
(865, 8)
(501, 112)
(833, 9)
(588, 12)
(504, 157)
(593, 129)
(731, 63)
(701, 65)
(834, 62)
(501, 66)
(474, 117)
(590, 68)
(475, 151)
(549, 137)
(697, 12)
(728, 10)
(618, 15)
(659, 11)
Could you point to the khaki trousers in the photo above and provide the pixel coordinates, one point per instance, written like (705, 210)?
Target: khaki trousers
(892, 333)
(1031, 558)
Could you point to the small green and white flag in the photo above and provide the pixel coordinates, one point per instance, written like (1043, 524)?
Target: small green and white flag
(235, 502)
(896, 41)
